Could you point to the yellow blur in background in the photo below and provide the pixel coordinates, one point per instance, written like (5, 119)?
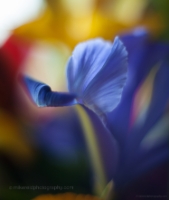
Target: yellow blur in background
(70, 22)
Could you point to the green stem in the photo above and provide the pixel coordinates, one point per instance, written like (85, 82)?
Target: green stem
(94, 152)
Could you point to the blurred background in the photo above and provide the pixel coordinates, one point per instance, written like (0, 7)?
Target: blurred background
(47, 146)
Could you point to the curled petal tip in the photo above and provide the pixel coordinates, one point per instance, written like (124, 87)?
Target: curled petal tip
(42, 95)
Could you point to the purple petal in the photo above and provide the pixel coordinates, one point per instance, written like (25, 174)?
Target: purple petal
(143, 55)
(157, 107)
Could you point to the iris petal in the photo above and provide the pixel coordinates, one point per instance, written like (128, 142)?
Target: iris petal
(42, 95)
(97, 73)
(87, 59)
(143, 55)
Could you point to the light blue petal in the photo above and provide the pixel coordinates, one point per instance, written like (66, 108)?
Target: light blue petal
(86, 61)
(42, 95)
(97, 73)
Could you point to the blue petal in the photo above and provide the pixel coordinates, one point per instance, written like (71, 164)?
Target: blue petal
(143, 55)
(157, 107)
(42, 95)
(86, 61)
(97, 73)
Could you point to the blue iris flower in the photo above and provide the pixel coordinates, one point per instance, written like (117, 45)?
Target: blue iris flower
(96, 74)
